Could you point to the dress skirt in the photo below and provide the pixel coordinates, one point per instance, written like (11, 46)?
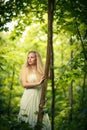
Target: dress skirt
(29, 107)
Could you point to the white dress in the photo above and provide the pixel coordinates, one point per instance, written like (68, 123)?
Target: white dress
(29, 105)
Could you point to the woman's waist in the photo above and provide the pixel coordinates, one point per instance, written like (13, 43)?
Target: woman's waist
(31, 92)
(38, 88)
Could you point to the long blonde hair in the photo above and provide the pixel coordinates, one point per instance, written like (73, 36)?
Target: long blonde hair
(39, 63)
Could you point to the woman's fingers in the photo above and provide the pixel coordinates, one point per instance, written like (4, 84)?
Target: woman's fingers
(42, 79)
(44, 76)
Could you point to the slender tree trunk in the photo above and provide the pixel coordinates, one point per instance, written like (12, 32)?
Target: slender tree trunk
(52, 74)
(83, 89)
(78, 31)
(62, 60)
(47, 66)
(71, 88)
(71, 101)
(50, 29)
(53, 92)
(82, 43)
(10, 96)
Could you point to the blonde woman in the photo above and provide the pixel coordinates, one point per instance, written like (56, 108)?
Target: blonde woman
(32, 77)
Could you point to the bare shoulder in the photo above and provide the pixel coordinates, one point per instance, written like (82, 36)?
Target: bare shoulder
(25, 70)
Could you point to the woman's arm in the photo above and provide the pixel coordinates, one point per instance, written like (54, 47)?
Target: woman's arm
(29, 84)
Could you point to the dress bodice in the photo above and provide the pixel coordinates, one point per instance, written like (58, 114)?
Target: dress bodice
(31, 77)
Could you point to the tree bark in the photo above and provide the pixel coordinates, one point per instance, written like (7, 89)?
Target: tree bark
(53, 87)
(71, 88)
(50, 38)
(84, 90)
(47, 66)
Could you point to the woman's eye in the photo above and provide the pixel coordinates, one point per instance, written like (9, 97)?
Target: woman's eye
(30, 57)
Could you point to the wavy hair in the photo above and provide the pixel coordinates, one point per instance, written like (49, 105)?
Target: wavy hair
(39, 63)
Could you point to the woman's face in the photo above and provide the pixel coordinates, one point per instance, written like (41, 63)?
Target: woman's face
(32, 58)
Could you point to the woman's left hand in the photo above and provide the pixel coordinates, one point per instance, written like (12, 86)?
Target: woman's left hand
(42, 79)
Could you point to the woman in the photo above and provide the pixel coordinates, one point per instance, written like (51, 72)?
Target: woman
(32, 77)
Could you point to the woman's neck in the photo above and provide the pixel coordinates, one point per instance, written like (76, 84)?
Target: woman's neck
(33, 68)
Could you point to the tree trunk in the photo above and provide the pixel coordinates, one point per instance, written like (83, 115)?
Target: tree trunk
(62, 63)
(53, 88)
(47, 66)
(78, 31)
(71, 87)
(84, 90)
(10, 96)
(52, 80)
(50, 30)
